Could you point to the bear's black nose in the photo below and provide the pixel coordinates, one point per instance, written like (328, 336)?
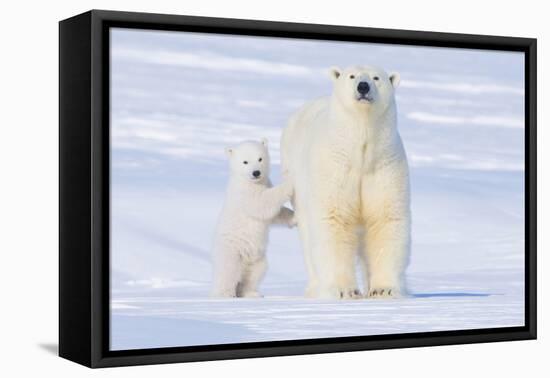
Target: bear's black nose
(256, 174)
(363, 87)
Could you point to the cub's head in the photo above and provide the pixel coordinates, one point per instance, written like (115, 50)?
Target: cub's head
(249, 161)
(364, 87)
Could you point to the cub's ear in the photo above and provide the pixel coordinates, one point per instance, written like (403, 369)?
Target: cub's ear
(264, 141)
(395, 79)
(228, 151)
(335, 72)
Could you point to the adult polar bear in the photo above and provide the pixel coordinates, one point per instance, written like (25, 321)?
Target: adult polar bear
(346, 160)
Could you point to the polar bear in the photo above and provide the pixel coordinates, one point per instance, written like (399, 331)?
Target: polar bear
(346, 161)
(251, 206)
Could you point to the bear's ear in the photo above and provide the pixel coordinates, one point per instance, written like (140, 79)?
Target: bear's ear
(335, 72)
(228, 151)
(395, 79)
(264, 141)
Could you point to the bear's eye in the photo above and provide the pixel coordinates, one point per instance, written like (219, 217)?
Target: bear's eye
(245, 162)
(352, 76)
(260, 160)
(376, 78)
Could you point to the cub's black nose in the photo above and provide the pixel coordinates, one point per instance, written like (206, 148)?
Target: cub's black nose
(363, 87)
(256, 174)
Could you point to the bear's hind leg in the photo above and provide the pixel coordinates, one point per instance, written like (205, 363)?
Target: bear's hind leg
(313, 281)
(227, 275)
(252, 276)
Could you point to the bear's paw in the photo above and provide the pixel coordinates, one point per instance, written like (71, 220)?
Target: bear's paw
(341, 293)
(384, 293)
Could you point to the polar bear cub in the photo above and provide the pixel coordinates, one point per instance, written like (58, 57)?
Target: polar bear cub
(251, 205)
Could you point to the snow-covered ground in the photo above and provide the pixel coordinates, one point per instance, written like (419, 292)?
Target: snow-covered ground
(178, 99)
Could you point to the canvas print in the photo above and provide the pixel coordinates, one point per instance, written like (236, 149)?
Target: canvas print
(268, 189)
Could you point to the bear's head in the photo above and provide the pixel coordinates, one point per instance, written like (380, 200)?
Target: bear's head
(364, 88)
(249, 161)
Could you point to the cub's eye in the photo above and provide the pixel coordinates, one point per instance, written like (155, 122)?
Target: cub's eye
(376, 78)
(260, 160)
(245, 162)
(352, 76)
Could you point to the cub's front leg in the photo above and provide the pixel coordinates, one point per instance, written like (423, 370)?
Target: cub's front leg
(286, 217)
(271, 200)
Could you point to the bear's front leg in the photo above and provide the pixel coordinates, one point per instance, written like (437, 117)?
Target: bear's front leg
(386, 255)
(334, 255)
(387, 222)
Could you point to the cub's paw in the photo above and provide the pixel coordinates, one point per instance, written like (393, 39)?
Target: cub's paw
(384, 292)
(292, 222)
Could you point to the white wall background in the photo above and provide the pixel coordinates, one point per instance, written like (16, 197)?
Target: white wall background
(29, 176)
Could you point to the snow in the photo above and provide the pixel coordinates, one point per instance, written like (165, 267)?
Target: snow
(178, 99)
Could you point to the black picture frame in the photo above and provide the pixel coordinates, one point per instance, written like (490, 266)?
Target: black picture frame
(84, 188)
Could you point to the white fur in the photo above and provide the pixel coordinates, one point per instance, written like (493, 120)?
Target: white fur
(348, 166)
(251, 206)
